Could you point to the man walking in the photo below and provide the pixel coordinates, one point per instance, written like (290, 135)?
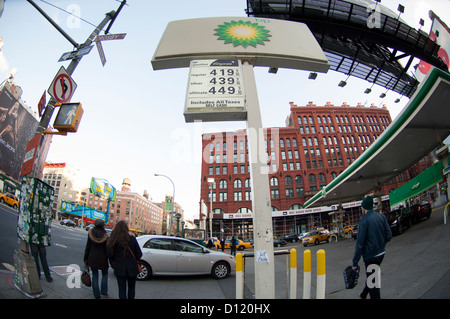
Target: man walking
(373, 234)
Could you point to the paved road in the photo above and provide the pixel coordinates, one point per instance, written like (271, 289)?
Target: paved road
(417, 265)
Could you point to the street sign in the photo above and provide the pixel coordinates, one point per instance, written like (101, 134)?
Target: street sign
(106, 37)
(75, 54)
(62, 87)
(119, 36)
(215, 91)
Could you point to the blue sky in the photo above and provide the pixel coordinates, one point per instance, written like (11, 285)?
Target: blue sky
(133, 124)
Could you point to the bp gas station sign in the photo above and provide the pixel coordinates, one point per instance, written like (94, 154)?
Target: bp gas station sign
(221, 53)
(215, 91)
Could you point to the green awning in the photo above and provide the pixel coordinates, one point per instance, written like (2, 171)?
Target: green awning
(418, 184)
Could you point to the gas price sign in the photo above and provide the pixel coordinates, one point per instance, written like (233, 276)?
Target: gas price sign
(215, 91)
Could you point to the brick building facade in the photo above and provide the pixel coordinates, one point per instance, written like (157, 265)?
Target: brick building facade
(317, 144)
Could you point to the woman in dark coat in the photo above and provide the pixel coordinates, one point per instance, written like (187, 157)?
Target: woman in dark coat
(123, 254)
(95, 257)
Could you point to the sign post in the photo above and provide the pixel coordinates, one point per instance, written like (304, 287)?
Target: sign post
(256, 42)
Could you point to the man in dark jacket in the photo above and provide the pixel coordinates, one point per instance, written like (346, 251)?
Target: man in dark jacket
(95, 257)
(373, 234)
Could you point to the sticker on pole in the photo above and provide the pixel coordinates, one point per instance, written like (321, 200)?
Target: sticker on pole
(62, 87)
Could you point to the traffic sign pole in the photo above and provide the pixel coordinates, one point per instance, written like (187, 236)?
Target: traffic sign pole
(48, 112)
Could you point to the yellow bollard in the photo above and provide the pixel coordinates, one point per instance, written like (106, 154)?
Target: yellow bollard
(293, 275)
(307, 274)
(321, 274)
(239, 276)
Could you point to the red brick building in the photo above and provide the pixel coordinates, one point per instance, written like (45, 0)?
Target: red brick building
(317, 144)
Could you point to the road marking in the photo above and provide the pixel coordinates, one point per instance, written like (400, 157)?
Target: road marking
(60, 245)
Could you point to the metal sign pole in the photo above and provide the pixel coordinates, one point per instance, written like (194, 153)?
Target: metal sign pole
(261, 205)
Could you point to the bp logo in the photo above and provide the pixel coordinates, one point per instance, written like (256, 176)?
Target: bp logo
(242, 33)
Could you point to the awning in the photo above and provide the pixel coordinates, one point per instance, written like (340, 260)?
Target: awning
(418, 184)
(419, 128)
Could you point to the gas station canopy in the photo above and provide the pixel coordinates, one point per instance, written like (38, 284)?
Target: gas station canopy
(421, 127)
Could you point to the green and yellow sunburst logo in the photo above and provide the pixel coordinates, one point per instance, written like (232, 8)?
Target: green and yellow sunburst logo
(242, 33)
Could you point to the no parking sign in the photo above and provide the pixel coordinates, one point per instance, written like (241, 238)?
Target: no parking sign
(62, 87)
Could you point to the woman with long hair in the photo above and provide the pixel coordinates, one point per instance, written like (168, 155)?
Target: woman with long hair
(123, 254)
(95, 257)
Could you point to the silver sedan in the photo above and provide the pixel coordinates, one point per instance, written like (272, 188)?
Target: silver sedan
(163, 255)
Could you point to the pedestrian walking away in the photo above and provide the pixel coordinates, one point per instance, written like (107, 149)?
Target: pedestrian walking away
(95, 256)
(233, 246)
(373, 234)
(38, 251)
(123, 253)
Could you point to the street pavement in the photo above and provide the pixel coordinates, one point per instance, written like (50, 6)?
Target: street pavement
(416, 266)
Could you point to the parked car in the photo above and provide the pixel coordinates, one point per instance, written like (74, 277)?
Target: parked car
(68, 222)
(293, 238)
(398, 220)
(420, 211)
(315, 237)
(278, 242)
(164, 255)
(9, 199)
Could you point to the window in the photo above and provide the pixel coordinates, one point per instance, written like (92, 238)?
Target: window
(247, 183)
(237, 183)
(298, 179)
(222, 196)
(321, 178)
(159, 243)
(185, 246)
(288, 180)
(273, 181)
(274, 193)
(289, 192)
(238, 196)
(223, 184)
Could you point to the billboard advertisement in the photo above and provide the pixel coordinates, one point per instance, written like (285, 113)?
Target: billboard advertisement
(101, 187)
(17, 127)
(86, 212)
(439, 33)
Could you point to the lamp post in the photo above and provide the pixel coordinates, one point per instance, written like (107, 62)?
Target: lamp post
(211, 182)
(173, 199)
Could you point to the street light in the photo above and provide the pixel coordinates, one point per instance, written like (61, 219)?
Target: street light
(173, 198)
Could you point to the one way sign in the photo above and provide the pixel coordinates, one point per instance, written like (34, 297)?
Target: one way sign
(75, 54)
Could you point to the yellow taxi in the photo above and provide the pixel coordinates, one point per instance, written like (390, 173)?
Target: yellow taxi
(10, 199)
(215, 241)
(348, 229)
(316, 236)
(240, 245)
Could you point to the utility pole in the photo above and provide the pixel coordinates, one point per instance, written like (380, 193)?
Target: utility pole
(25, 266)
(48, 112)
